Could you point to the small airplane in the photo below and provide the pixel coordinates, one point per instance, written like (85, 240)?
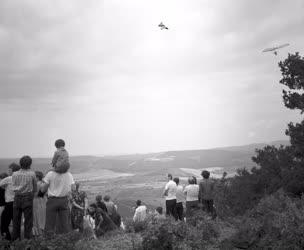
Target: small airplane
(162, 26)
(274, 49)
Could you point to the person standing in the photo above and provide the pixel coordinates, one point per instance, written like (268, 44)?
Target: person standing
(180, 198)
(206, 189)
(191, 191)
(7, 214)
(58, 187)
(79, 206)
(170, 194)
(39, 207)
(25, 186)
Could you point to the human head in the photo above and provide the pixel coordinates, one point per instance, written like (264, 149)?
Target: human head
(106, 198)
(190, 180)
(194, 180)
(159, 210)
(138, 203)
(170, 177)
(59, 143)
(39, 175)
(13, 168)
(205, 174)
(98, 198)
(92, 208)
(3, 175)
(176, 180)
(25, 162)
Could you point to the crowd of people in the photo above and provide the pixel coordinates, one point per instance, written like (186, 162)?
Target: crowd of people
(54, 203)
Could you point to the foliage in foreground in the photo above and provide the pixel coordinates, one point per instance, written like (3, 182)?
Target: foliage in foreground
(276, 223)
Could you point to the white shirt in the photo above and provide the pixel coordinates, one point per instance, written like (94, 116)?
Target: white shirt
(7, 183)
(171, 189)
(180, 196)
(140, 213)
(60, 185)
(191, 192)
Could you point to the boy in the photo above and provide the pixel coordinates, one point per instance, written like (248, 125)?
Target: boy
(60, 161)
(25, 185)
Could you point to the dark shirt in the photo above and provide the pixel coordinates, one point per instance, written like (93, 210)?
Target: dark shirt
(2, 197)
(102, 205)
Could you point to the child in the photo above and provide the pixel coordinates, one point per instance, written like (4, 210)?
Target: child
(60, 161)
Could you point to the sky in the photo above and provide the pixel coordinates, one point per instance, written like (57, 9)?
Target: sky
(101, 74)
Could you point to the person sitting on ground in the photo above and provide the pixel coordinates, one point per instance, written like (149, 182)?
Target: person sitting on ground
(103, 222)
(170, 194)
(159, 214)
(25, 187)
(206, 189)
(180, 198)
(191, 191)
(140, 212)
(100, 203)
(7, 214)
(60, 161)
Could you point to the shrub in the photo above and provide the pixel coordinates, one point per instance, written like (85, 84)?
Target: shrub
(276, 223)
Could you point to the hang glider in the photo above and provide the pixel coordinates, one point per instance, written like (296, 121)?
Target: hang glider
(274, 49)
(162, 26)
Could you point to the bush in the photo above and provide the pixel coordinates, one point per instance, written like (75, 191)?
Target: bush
(276, 223)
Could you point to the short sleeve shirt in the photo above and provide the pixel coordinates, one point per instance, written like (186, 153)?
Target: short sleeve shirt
(171, 188)
(59, 184)
(192, 192)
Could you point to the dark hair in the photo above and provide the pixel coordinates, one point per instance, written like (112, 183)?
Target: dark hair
(14, 167)
(176, 180)
(39, 175)
(205, 174)
(3, 175)
(98, 198)
(59, 143)
(190, 180)
(138, 202)
(194, 180)
(159, 210)
(106, 198)
(170, 176)
(25, 162)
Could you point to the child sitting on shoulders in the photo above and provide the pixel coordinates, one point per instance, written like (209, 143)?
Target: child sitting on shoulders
(60, 161)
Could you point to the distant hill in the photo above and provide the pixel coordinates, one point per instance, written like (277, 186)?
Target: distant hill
(228, 158)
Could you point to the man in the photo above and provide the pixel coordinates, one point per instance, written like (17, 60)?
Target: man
(170, 194)
(7, 214)
(25, 186)
(59, 187)
(206, 189)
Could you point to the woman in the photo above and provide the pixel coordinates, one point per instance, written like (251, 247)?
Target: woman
(79, 206)
(39, 207)
(191, 191)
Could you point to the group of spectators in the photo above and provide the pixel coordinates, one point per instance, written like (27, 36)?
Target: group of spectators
(54, 203)
(194, 196)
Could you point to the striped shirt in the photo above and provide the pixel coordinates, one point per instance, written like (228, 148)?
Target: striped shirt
(8, 185)
(24, 181)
